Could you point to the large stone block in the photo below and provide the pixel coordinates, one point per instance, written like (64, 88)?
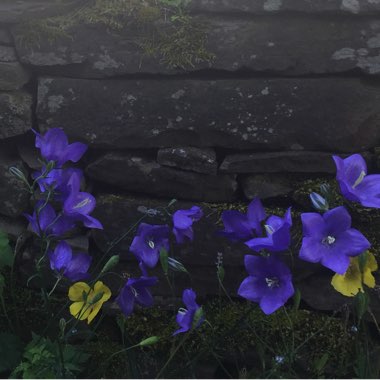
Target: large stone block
(143, 175)
(12, 75)
(280, 6)
(15, 114)
(330, 114)
(290, 45)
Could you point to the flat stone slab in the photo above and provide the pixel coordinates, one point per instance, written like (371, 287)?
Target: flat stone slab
(15, 114)
(324, 114)
(266, 186)
(189, 158)
(280, 6)
(290, 45)
(140, 174)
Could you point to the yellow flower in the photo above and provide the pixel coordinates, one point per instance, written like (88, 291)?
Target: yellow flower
(358, 273)
(87, 301)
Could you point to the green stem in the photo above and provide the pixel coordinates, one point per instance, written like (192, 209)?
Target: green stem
(55, 285)
(172, 355)
(6, 313)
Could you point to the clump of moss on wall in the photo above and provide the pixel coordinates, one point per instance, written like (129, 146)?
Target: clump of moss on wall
(166, 30)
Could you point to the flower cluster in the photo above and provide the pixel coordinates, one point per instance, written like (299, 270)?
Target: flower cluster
(152, 243)
(328, 238)
(61, 207)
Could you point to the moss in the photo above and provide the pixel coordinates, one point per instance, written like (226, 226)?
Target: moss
(165, 32)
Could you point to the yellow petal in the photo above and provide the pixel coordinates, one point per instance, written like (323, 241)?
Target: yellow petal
(350, 283)
(371, 262)
(95, 310)
(101, 288)
(76, 291)
(80, 310)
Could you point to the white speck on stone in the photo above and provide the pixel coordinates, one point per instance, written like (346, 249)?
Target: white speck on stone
(241, 121)
(155, 132)
(245, 136)
(270, 44)
(235, 65)
(250, 96)
(296, 147)
(370, 64)
(178, 94)
(228, 124)
(270, 130)
(105, 62)
(352, 6)
(212, 123)
(253, 56)
(265, 91)
(272, 5)
(255, 129)
(178, 119)
(55, 102)
(344, 53)
(362, 52)
(374, 42)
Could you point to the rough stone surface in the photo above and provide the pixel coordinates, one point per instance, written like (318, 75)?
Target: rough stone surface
(334, 115)
(29, 153)
(15, 11)
(12, 75)
(13, 227)
(279, 6)
(279, 162)
(5, 37)
(14, 199)
(189, 158)
(266, 186)
(287, 46)
(15, 114)
(144, 175)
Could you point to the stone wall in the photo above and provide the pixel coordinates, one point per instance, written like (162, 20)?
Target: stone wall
(237, 98)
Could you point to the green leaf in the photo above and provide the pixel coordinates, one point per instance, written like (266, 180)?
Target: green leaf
(6, 254)
(320, 363)
(2, 284)
(164, 259)
(297, 299)
(10, 351)
(114, 260)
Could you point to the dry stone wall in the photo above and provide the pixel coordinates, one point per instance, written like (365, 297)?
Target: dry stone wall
(260, 92)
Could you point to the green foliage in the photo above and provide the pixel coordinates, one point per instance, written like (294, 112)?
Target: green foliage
(6, 254)
(10, 351)
(45, 359)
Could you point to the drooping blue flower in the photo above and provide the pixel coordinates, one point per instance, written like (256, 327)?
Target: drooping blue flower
(78, 205)
(183, 221)
(186, 318)
(48, 222)
(278, 234)
(54, 146)
(354, 182)
(330, 240)
(72, 266)
(240, 227)
(135, 291)
(148, 242)
(269, 282)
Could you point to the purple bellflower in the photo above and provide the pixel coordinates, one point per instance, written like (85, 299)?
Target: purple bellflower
(330, 240)
(240, 227)
(183, 221)
(354, 182)
(269, 282)
(72, 266)
(148, 242)
(48, 222)
(186, 318)
(78, 205)
(135, 291)
(278, 234)
(54, 146)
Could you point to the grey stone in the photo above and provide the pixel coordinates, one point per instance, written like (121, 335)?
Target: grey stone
(281, 6)
(143, 175)
(13, 227)
(189, 158)
(279, 162)
(282, 45)
(5, 37)
(7, 54)
(12, 76)
(266, 186)
(326, 114)
(14, 198)
(79, 243)
(21, 10)
(29, 153)
(15, 114)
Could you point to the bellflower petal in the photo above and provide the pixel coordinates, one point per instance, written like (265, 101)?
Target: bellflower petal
(183, 221)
